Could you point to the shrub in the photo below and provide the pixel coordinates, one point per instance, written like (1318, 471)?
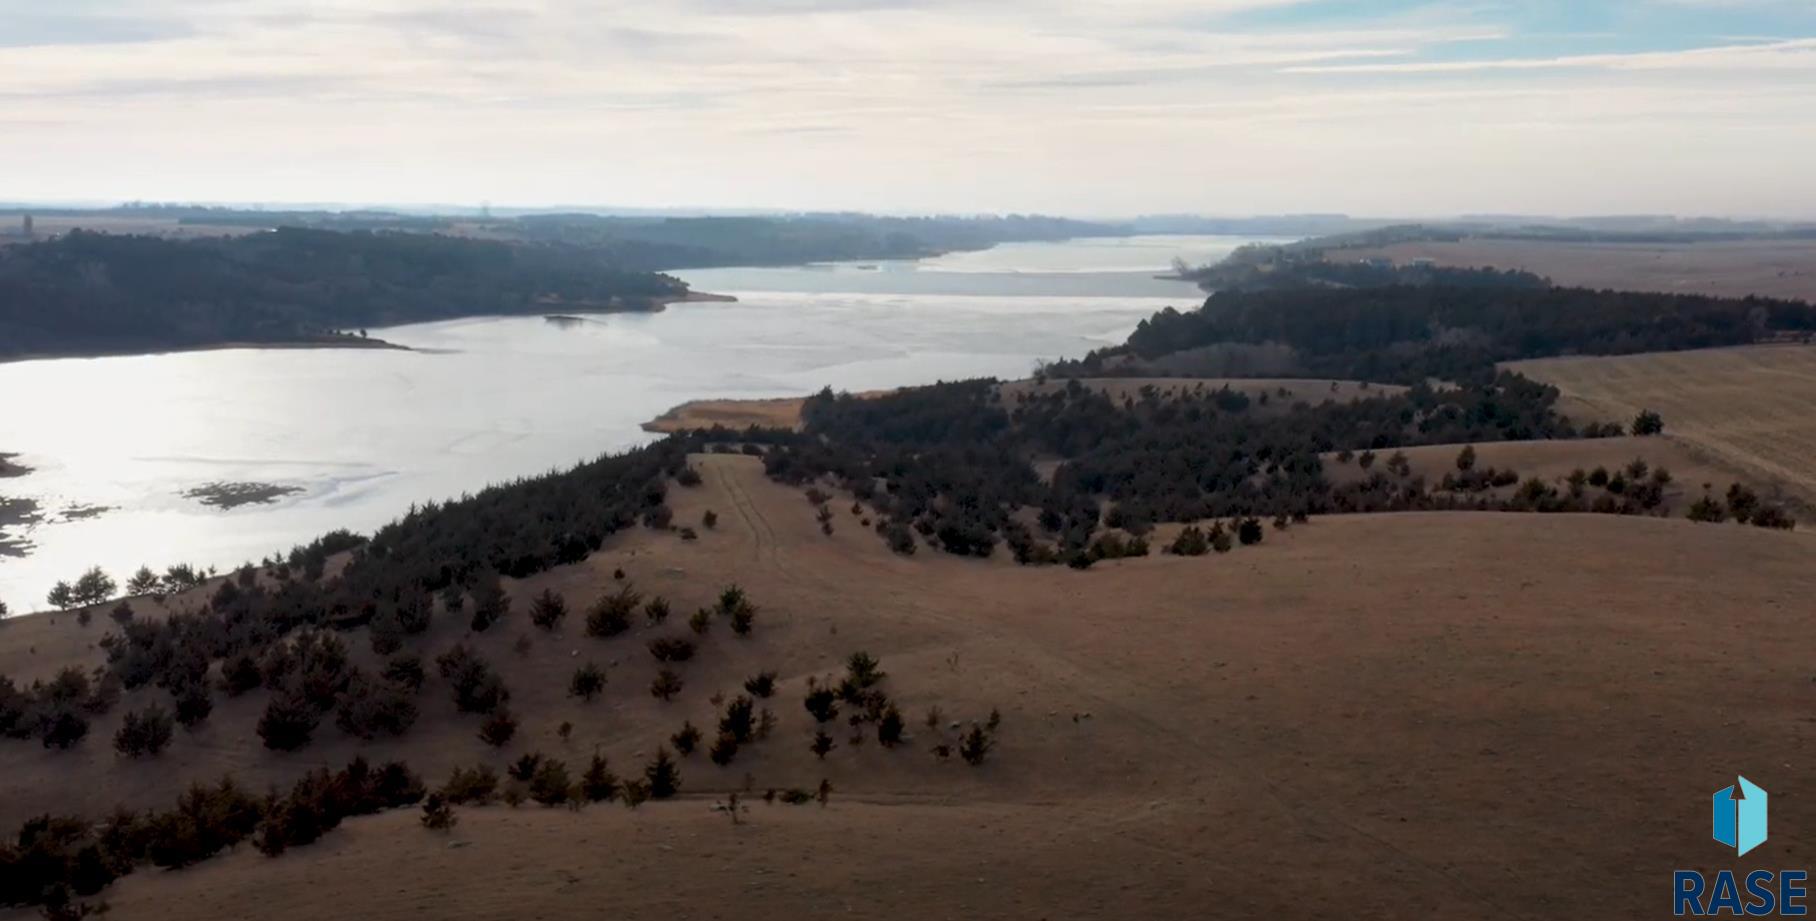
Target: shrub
(1466, 458)
(436, 814)
(724, 749)
(634, 792)
(656, 612)
(1707, 509)
(474, 785)
(240, 674)
(1598, 477)
(588, 681)
(822, 703)
(1249, 531)
(477, 688)
(193, 702)
(688, 533)
(688, 476)
(1190, 542)
(663, 776)
(611, 615)
(525, 766)
(405, 672)
(738, 719)
(490, 604)
(743, 619)
(1220, 538)
(1742, 502)
(700, 621)
(975, 745)
(822, 743)
(499, 728)
(1771, 516)
(687, 739)
(145, 732)
(899, 538)
(671, 649)
(1648, 423)
(710, 519)
(289, 721)
(889, 728)
(368, 708)
(548, 610)
(598, 784)
(863, 671)
(762, 684)
(731, 598)
(665, 685)
(551, 786)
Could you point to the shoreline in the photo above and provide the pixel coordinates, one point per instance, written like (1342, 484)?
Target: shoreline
(326, 343)
(652, 305)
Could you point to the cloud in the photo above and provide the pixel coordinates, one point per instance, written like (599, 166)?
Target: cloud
(1056, 105)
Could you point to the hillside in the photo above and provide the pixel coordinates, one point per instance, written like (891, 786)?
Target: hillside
(1368, 715)
(88, 293)
(1746, 408)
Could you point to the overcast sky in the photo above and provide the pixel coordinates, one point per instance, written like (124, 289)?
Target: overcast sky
(1059, 106)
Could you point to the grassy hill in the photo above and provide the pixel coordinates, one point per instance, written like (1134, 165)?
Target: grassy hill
(1367, 715)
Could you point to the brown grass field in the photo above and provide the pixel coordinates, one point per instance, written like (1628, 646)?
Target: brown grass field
(1447, 715)
(1770, 268)
(1553, 462)
(1746, 410)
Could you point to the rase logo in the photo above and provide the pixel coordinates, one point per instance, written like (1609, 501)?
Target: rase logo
(1740, 815)
(1738, 821)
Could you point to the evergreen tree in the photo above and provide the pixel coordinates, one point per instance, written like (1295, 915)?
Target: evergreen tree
(663, 776)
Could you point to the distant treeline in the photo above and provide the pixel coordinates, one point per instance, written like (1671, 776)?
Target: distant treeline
(1408, 334)
(1259, 267)
(88, 292)
(655, 243)
(717, 241)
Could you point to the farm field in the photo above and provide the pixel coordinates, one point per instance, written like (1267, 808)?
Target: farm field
(1377, 716)
(1744, 409)
(1770, 268)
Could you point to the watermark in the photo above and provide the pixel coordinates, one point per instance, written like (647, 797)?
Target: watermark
(1739, 821)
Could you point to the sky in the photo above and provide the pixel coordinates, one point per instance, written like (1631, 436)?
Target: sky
(1563, 107)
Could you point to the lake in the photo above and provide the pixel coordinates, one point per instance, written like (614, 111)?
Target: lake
(361, 435)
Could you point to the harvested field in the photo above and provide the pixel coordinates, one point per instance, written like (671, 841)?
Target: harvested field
(1744, 409)
(1446, 715)
(1769, 268)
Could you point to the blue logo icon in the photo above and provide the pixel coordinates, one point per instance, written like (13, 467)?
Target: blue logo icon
(1740, 815)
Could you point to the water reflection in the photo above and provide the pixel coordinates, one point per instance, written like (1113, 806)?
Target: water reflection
(321, 439)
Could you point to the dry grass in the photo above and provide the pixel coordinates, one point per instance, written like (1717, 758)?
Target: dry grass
(1746, 410)
(1554, 461)
(1764, 267)
(1367, 717)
